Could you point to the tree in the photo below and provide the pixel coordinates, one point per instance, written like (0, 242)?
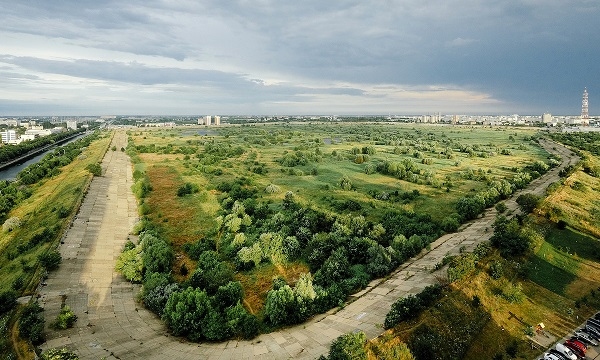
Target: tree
(185, 311)
(280, 305)
(349, 347)
(528, 202)
(8, 300)
(508, 237)
(469, 207)
(31, 323)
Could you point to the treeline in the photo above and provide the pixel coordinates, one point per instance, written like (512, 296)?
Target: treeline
(470, 206)
(11, 152)
(589, 141)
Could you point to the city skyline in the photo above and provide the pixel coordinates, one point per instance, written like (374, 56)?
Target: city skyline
(264, 57)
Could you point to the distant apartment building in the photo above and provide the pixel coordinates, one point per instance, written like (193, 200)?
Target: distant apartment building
(547, 118)
(217, 120)
(72, 124)
(207, 120)
(9, 136)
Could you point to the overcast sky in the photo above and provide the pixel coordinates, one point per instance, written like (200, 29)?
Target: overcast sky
(90, 57)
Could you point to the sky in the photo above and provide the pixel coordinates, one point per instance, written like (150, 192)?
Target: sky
(273, 57)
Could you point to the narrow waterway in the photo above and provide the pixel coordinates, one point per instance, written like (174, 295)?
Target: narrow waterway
(10, 173)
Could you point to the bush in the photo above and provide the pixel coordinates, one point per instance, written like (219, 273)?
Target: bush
(411, 306)
(50, 260)
(130, 265)
(31, 323)
(187, 189)
(156, 298)
(508, 237)
(501, 207)
(349, 347)
(451, 223)
(528, 202)
(11, 224)
(280, 306)
(8, 300)
(65, 319)
(59, 354)
(94, 169)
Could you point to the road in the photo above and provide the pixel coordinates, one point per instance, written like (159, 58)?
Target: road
(112, 325)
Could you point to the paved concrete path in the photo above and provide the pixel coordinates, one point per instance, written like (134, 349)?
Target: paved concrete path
(113, 325)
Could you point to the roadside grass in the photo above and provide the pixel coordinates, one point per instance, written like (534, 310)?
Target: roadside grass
(577, 202)
(40, 210)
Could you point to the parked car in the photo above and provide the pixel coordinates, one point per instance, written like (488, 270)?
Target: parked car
(594, 322)
(578, 343)
(592, 331)
(593, 339)
(550, 356)
(576, 350)
(557, 354)
(561, 348)
(584, 338)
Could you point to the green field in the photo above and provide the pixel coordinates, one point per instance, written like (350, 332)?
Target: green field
(388, 168)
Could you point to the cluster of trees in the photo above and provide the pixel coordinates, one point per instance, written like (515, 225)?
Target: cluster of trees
(581, 140)
(470, 206)
(300, 157)
(344, 252)
(207, 306)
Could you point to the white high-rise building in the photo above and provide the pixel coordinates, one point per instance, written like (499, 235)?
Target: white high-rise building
(9, 136)
(217, 120)
(207, 120)
(72, 124)
(547, 118)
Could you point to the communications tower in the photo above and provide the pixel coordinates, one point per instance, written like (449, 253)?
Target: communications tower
(585, 116)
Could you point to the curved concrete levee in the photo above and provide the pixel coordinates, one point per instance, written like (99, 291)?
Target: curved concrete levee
(112, 325)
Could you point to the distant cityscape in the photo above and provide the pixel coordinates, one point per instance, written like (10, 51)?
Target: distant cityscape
(22, 128)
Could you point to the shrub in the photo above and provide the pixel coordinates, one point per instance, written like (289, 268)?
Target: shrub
(272, 189)
(508, 237)
(50, 260)
(411, 306)
(187, 189)
(501, 207)
(59, 354)
(31, 323)
(349, 347)
(156, 298)
(528, 202)
(94, 169)
(451, 223)
(461, 266)
(11, 223)
(8, 300)
(65, 319)
(130, 265)
(241, 323)
(185, 311)
(157, 255)
(281, 305)
(345, 183)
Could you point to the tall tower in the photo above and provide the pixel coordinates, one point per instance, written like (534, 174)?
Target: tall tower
(585, 116)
